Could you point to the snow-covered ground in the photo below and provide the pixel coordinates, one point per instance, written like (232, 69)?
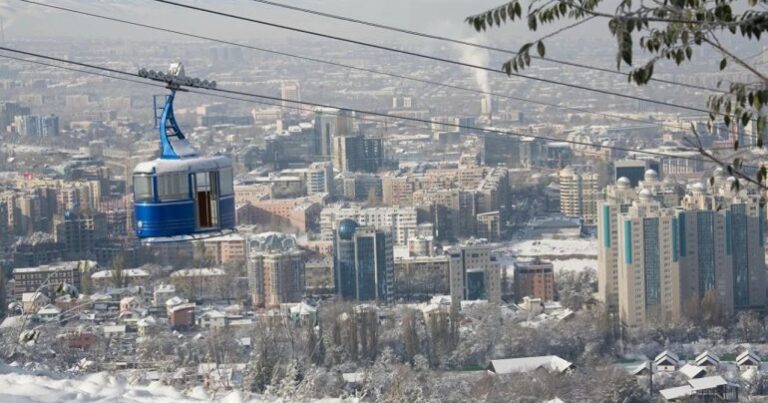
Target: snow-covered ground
(552, 247)
(574, 264)
(565, 254)
(20, 387)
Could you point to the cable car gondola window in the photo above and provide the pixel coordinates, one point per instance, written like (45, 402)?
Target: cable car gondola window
(142, 188)
(173, 186)
(225, 178)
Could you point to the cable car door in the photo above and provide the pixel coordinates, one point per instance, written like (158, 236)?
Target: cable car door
(206, 193)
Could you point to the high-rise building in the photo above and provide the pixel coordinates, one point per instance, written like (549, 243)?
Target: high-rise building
(27, 125)
(49, 126)
(79, 232)
(290, 90)
(357, 153)
(8, 111)
(320, 179)
(579, 194)
(363, 263)
(618, 198)
(275, 267)
(474, 272)
(399, 221)
(649, 263)
(359, 186)
(670, 258)
(723, 249)
(329, 123)
(535, 279)
(634, 170)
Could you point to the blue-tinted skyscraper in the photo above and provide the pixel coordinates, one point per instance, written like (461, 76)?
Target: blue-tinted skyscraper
(363, 262)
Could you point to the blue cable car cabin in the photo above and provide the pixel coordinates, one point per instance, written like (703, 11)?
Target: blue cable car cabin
(182, 195)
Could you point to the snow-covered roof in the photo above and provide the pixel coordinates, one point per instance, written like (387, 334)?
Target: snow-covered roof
(148, 321)
(114, 328)
(303, 308)
(189, 165)
(49, 310)
(645, 366)
(182, 306)
(126, 273)
(198, 272)
(708, 382)
(527, 364)
(692, 371)
(668, 356)
(165, 288)
(747, 357)
(33, 297)
(676, 392)
(175, 300)
(707, 358)
(213, 314)
(353, 377)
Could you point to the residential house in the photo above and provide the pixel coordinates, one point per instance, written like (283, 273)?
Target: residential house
(212, 319)
(551, 363)
(667, 361)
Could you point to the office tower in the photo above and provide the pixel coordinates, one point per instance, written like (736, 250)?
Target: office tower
(49, 126)
(8, 111)
(359, 186)
(579, 194)
(79, 232)
(357, 153)
(723, 247)
(290, 90)
(488, 226)
(618, 198)
(320, 179)
(474, 273)
(363, 263)
(451, 210)
(401, 222)
(325, 130)
(275, 267)
(649, 263)
(296, 145)
(634, 170)
(535, 279)
(501, 149)
(27, 125)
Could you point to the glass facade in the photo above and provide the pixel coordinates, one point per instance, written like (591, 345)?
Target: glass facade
(366, 268)
(740, 255)
(476, 285)
(683, 238)
(628, 242)
(344, 266)
(652, 262)
(706, 248)
(607, 226)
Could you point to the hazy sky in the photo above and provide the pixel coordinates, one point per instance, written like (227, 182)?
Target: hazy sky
(444, 17)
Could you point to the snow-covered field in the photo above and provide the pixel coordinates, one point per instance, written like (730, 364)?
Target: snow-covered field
(565, 254)
(574, 264)
(19, 386)
(553, 247)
